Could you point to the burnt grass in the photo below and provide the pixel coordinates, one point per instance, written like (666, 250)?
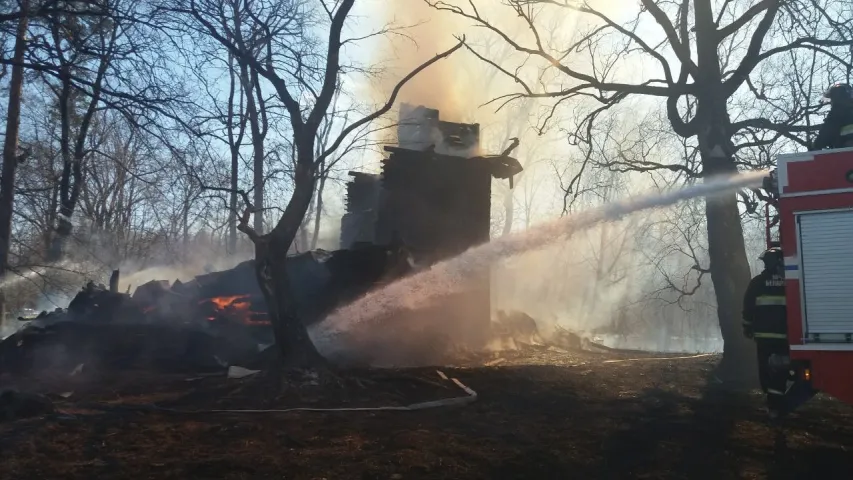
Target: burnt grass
(540, 414)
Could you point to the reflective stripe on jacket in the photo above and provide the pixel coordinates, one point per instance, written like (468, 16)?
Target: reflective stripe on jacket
(764, 307)
(769, 335)
(765, 300)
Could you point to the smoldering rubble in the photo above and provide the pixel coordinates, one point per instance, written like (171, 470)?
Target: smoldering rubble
(209, 323)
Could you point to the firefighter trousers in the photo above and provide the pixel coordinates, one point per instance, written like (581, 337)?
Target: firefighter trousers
(774, 381)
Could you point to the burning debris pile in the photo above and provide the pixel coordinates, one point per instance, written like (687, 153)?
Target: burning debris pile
(156, 327)
(213, 321)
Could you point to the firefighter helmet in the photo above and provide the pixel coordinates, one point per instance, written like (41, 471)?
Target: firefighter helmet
(838, 93)
(772, 258)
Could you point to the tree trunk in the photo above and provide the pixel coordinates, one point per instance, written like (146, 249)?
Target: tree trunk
(72, 161)
(727, 252)
(72, 169)
(318, 210)
(257, 146)
(730, 274)
(66, 208)
(256, 113)
(232, 204)
(235, 140)
(291, 336)
(509, 212)
(72, 180)
(10, 149)
(52, 210)
(300, 243)
(729, 267)
(185, 231)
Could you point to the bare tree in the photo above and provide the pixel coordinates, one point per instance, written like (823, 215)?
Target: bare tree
(251, 38)
(74, 42)
(719, 48)
(305, 81)
(234, 135)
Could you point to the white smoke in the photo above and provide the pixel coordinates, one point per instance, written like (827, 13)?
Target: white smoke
(449, 276)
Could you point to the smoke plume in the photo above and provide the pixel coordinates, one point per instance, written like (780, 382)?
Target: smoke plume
(442, 85)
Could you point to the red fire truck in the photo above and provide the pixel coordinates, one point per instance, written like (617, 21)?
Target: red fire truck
(814, 201)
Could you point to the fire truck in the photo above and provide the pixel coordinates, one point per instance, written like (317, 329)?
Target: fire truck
(812, 194)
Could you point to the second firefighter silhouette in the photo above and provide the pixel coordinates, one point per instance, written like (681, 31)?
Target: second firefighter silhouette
(837, 129)
(765, 320)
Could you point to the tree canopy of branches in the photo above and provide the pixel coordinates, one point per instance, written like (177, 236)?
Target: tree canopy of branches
(295, 47)
(97, 98)
(729, 73)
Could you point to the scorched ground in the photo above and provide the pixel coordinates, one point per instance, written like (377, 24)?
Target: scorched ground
(540, 414)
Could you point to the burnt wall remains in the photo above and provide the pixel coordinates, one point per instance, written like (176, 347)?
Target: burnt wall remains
(358, 224)
(439, 206)
(433, 197)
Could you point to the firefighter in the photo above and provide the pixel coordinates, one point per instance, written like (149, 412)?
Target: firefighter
(837, 129)
(765, 321)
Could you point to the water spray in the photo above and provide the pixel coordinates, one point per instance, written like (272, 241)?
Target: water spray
(446, 277)
(14, 279)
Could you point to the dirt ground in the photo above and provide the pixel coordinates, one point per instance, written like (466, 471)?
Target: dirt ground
(539, 415)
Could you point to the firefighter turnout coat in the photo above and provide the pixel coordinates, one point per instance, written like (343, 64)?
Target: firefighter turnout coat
(764, 314)
(837, 129)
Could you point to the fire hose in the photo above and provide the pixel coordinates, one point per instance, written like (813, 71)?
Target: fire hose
(470, 397)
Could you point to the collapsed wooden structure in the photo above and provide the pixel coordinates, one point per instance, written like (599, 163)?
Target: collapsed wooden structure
(434, 196)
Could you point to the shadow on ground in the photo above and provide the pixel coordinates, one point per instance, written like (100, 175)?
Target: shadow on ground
(584, 419)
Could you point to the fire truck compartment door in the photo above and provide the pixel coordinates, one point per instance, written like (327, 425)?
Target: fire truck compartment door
(826, 263)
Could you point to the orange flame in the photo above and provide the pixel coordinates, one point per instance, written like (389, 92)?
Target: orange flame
(237, 307)
(237, 301)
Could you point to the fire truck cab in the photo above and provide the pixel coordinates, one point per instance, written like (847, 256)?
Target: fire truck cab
(814, 201)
